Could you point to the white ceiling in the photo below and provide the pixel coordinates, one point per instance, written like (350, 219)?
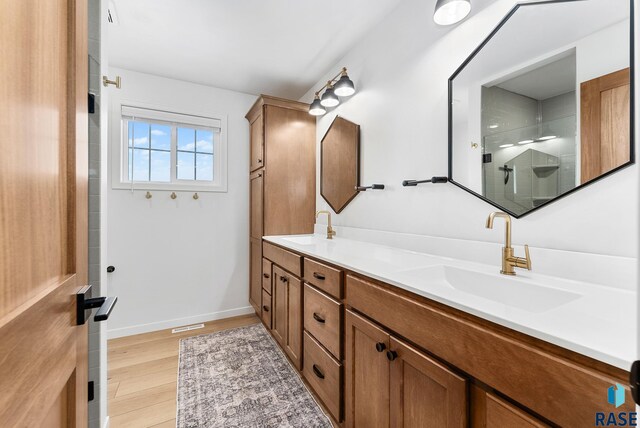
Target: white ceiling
(280, 47)
(546, 81)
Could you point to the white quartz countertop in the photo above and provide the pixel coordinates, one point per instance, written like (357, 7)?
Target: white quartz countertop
(591, 319)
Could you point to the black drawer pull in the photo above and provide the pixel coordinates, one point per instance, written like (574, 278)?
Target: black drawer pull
(319, 276)
(265, 308)
(318, 318)
(317, 372)
(266, 275)
(284, 278)
(380, 346)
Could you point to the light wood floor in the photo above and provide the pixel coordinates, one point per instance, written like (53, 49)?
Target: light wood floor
(143, 371)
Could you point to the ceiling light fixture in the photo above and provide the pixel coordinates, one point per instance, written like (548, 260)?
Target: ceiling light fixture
(449, 12)
(546, 138)
(340, 86)
(505, 145)
(525, 142)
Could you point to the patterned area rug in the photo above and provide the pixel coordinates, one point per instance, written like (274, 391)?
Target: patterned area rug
(241, 378)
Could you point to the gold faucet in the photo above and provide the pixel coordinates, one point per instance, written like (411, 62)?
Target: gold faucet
(330, 232)
(509, 262)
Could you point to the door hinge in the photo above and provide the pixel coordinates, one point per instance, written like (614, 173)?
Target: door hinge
(91, 391)
(635, 381)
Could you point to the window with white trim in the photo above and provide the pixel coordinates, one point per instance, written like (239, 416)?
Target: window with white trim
(169, 151)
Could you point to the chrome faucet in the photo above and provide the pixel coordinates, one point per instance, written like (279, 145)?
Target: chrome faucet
(330, 232)
(509, 262)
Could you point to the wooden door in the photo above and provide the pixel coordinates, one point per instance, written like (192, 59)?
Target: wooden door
(366, 373)
(490, 411)
(604, 122)
(257, 143)
(424, 393)
(279, 305)
(43, 212)
(293, 345)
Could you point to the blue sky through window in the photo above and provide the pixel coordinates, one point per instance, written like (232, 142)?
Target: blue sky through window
(149, 150)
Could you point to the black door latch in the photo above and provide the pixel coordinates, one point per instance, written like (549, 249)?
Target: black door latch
(84, 305)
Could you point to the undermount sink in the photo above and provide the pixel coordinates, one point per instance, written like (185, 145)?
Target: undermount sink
(524, 294)
(302, 240)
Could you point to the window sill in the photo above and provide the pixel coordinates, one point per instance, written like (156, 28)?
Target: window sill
(214, 188)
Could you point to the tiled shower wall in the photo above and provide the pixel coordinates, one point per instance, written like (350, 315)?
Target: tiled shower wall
(94, 204)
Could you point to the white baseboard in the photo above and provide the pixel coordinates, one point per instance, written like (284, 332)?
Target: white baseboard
(178, 322)
(106, 422)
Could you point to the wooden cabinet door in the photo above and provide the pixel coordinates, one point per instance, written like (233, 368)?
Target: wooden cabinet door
(43, 212)
(490, 411)
(366, 374)
(257, 143)
(255, 274)
(279, 305)
(423, 392)
(293, 346)
(257, 194)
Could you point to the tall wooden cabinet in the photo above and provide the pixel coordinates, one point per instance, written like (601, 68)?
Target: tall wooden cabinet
(283, 179)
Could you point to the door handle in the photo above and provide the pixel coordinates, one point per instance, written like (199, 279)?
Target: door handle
(111, 269)
(84, 304)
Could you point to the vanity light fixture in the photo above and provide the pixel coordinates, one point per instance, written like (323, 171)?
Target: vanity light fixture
(493, 126)
(449, 12)
(316, 108)
(505, 145)
(329, 98)
(340, 86)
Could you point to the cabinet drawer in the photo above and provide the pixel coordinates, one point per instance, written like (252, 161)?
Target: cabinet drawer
(322, 318)
(288, 260)
(324, 374)
(324, 277)
(266, 275)
(266, 309)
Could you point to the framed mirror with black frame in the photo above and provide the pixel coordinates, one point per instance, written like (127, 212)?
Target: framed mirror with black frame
(544, 106)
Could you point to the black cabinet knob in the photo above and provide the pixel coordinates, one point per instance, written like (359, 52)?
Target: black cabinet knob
(380, 346)
(111, 269)
(392, 355)
(265, 308)
(284, 279)
(266, 275)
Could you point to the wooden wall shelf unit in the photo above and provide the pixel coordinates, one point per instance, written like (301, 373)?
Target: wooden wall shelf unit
(379, 356)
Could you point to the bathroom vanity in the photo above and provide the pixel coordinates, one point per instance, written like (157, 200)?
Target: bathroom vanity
(390, 337)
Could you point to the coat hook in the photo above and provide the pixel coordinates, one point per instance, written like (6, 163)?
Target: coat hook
(148, 195)
(117, 83)
(173, 195)
(195, 196)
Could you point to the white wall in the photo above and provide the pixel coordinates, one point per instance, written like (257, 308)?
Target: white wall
(401, 70)
(179, 261)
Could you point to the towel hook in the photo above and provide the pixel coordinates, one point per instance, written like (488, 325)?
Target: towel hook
(148, 195)
(173, 195)
(195, 196)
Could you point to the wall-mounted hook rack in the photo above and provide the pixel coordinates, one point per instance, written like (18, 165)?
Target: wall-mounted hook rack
(372, 187)
(173, 195)
(148, 195)
(196, 196)
(410, 183)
